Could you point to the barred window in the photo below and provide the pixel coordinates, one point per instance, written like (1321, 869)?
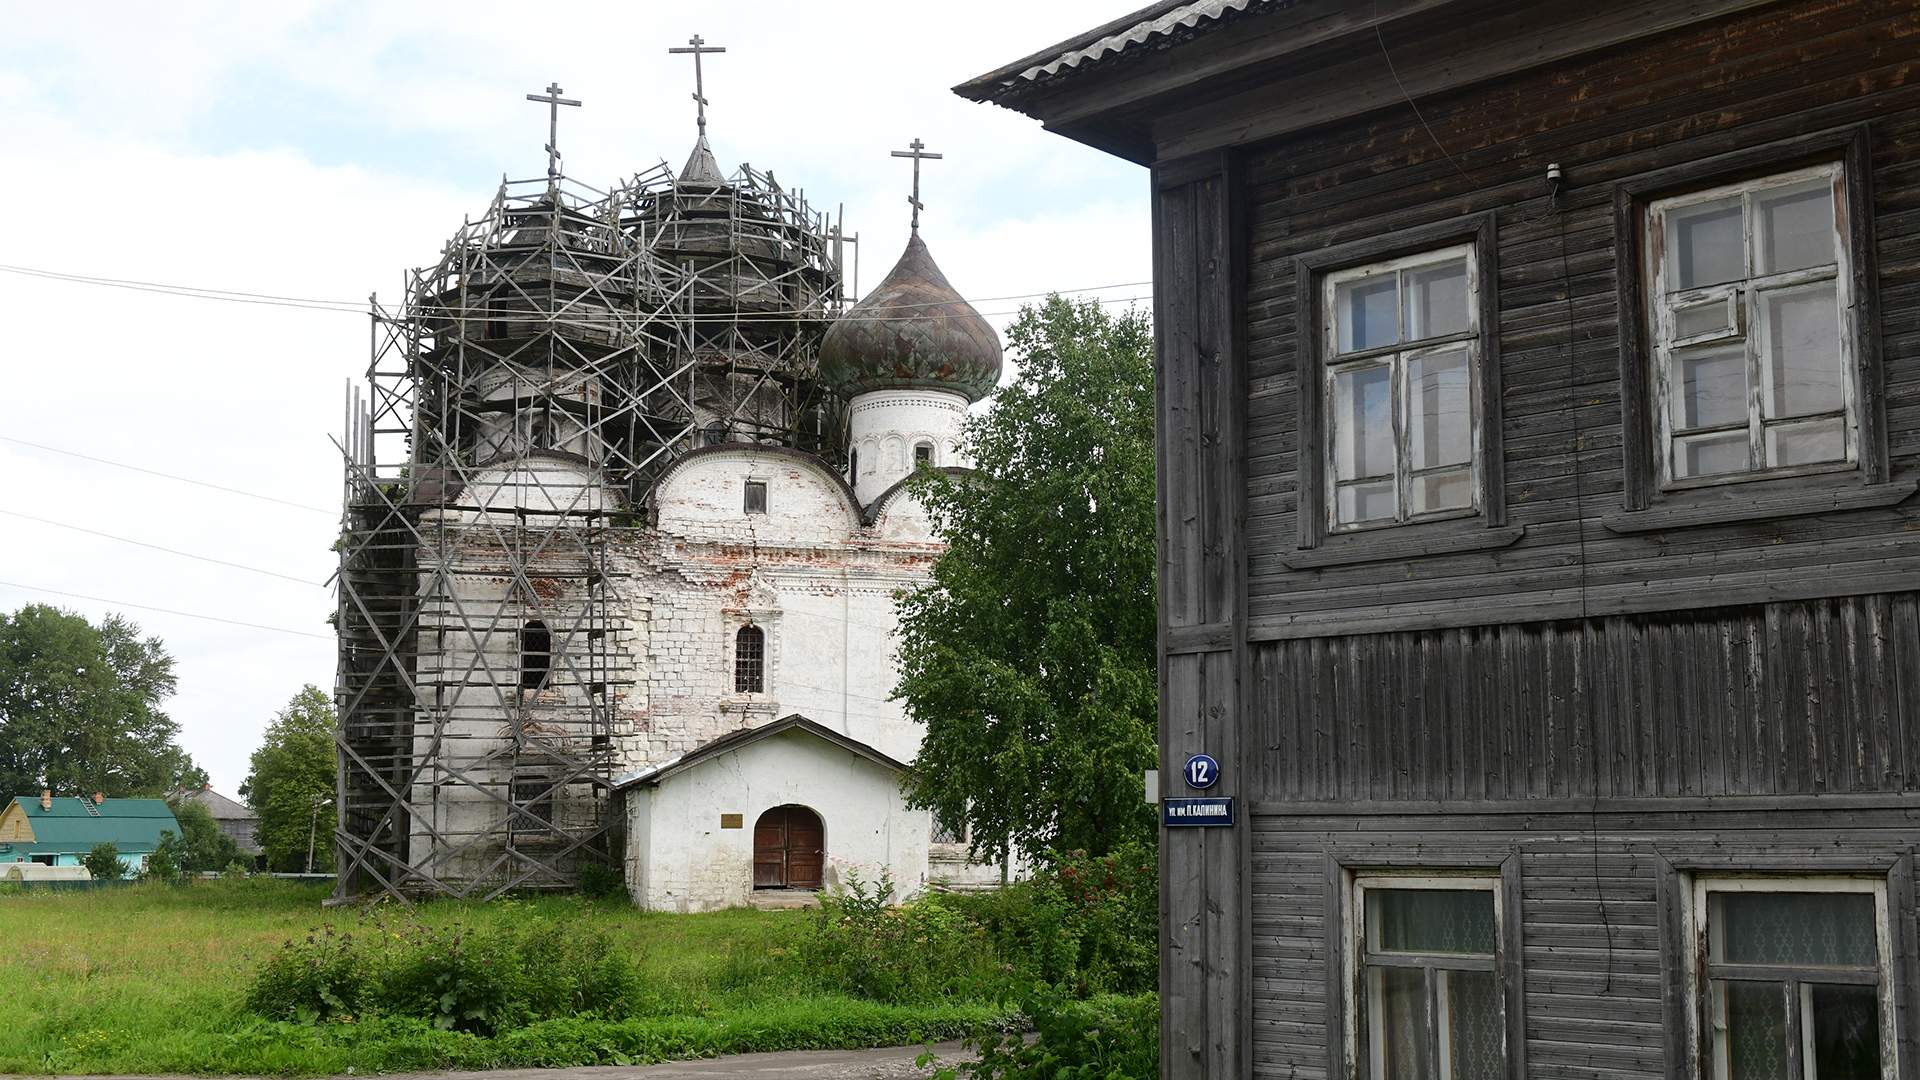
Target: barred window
(750, 660)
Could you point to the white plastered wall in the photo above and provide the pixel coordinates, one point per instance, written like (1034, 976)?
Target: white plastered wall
(885, 425)
(680, 859)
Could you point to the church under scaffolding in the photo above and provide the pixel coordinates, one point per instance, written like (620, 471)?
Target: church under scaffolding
(569, 345)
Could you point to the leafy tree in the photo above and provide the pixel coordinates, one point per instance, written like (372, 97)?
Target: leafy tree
(163, 864)
(103, 862)
(202, 845)
(80, 707)
(1029, 655)
(290, 784)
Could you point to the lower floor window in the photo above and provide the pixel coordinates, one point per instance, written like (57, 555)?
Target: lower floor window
(1796, 983)
(1431, 1004)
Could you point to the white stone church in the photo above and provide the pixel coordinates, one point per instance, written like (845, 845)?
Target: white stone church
(627, 515)
(773, 751)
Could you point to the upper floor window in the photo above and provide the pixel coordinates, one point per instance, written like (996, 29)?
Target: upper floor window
(1430, 999)
(1400, 381)
(755, 499)
(923, 453)
(1749, 306)
(536, 655)
(750, 660)
(1796, 977)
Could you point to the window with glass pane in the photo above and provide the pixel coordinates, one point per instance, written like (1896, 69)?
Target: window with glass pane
(1400, 375)
(1432, 1006)
(1754, 353)
(1795, 988)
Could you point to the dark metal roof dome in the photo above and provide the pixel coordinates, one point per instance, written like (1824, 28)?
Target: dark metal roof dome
(913, 331)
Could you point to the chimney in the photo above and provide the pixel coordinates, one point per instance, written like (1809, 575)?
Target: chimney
(98, 798)
(46, 798)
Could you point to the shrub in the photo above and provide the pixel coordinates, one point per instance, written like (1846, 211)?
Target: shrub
(103, 862)
(476, 980)
(324, 977)
(858, 944)
(165, 861)
(1106, 1038)
(1086, 925)
(598, 881)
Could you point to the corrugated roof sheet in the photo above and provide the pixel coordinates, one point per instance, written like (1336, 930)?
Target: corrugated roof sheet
(1186, 16)
(1152, 25)
(132, 825)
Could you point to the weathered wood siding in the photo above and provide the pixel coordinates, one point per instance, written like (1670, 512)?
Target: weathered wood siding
(1801, 697)
(1198, 381)
(1598, 921)
(1742, 81)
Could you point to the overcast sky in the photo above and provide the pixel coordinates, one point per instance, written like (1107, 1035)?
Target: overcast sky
(317, 150)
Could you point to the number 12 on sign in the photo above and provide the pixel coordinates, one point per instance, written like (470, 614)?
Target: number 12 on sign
(1202, 771)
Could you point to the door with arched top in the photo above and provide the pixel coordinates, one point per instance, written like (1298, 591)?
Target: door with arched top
(789, 849)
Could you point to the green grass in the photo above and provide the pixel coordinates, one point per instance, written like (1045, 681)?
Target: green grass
(152, 979)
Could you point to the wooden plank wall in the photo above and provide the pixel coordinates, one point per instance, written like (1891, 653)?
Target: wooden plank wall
(1600, 956)
(1817, 697)
(1204, 910)
(1739, 82)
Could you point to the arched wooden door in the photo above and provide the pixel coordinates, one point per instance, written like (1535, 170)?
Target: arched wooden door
(789, 849)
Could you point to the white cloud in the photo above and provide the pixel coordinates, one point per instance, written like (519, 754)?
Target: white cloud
(304, 150)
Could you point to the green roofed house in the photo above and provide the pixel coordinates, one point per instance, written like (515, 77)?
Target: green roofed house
(60, 831)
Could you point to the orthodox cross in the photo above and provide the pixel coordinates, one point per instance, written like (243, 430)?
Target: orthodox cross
(698, 46)
(553, 102)
(918, 153)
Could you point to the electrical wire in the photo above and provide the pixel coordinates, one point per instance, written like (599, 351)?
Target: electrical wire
(164, 611)
(168, 550)
(168, 476)
(353, 307)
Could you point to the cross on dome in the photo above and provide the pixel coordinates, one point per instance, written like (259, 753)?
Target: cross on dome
(697, 46)
(917, 151)
(553, 101)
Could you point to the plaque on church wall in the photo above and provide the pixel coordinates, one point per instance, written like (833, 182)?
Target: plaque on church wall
(732, 821)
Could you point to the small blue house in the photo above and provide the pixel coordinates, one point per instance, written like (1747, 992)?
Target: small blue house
(60, 831)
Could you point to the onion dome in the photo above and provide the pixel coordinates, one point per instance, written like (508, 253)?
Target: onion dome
(912, 332)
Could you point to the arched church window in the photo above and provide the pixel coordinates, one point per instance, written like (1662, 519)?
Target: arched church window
(922, 453)
(750, 660)
(536, 655)
(853, 462)
(713, 434)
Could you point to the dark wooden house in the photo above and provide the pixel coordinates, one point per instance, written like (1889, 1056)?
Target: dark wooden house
(1540, 426)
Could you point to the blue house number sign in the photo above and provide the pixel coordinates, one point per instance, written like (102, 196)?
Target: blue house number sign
(1202, 772)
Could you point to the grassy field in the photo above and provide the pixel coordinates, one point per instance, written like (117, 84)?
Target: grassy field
(152, 979)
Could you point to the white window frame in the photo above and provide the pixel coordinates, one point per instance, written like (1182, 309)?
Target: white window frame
(1710, 1062)
(1359, 992)
(1397, 357)
(1742, 298)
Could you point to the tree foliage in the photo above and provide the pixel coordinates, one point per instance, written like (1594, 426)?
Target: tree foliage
(201, 844)
(80, 708)
(103, 862)
(290, 783)
(1029, 655)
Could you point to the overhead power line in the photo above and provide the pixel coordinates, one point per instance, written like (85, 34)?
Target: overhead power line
(354, 307)
(164, 611)
(158, 547)
(169, 476)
